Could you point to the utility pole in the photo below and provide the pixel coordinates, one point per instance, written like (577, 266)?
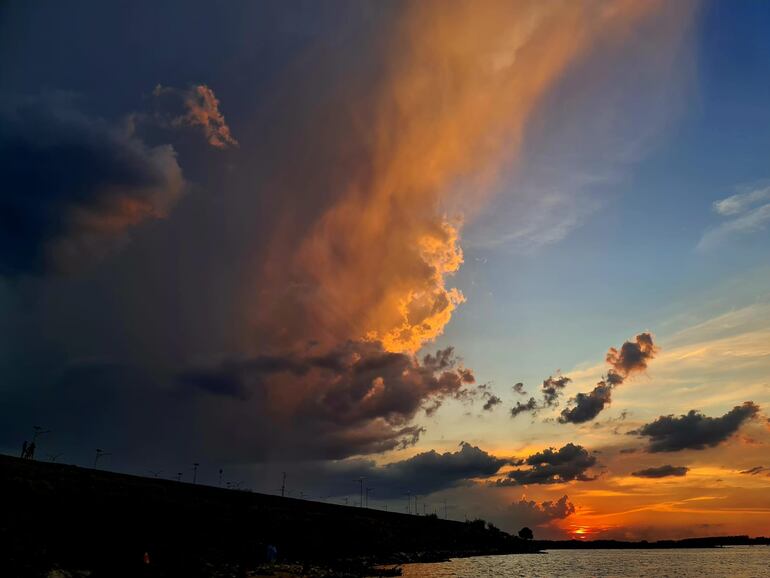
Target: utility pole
(367, 496)
(445, 516)
(283, 485)
(179, 476)
(195, 471)
(99, 454)
(409, 502)
(361, 491)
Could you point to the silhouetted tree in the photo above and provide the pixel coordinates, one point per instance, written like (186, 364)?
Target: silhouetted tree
(526, 534)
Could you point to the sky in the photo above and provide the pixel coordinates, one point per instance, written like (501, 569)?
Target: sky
(507, 258)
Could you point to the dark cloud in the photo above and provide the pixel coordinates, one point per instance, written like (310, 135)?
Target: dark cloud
(73, 186)
(633, 355)
(422, 474)
(662, 472)
(570, 462)
(530, 406)
(363, 401)
(586, 406)
(628, 451)
(492, 401)
(552, 389)
(530, 513)
(694, 430)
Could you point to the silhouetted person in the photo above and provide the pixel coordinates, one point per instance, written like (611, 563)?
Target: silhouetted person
(31, 451)
(24, 450)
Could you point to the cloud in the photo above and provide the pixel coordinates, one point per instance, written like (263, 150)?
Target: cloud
(552, 389)
(570, 462)
(746, 213)
(694, 430)
(741, 202)
(202, 108)
(632, 357)
(362, 396)
(586, 406)
(442, 117)
(369, 164)
(422, 474)
(363, 400)
(74, 186)
(530, 406)
(755, 470)
(492, 401)
(662, 472)
(530, 513)
(519, 388)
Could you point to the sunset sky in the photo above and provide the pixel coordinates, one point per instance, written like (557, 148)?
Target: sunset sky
(509, 257)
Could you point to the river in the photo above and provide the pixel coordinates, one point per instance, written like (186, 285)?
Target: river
(733, 562)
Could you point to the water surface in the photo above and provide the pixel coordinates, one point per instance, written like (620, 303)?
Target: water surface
(733, 562)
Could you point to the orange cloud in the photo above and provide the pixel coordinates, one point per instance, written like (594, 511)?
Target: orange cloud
(459, 81)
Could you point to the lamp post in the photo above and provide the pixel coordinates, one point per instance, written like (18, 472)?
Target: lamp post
(195, 471)
(361, 491)
(99, 454)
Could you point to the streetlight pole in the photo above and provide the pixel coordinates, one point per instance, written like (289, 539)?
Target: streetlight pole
(361, 491)
(195, 471)
(99, 454)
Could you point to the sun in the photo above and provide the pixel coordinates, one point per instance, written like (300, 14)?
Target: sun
(581, 532)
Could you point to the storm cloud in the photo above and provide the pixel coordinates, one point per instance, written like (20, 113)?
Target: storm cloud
(551, 466)
(662, 472)
(695, 431)
(363, 395)
(74, 185)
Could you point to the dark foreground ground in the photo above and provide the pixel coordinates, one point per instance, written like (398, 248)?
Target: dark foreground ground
(62, 521)
(101, 524)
